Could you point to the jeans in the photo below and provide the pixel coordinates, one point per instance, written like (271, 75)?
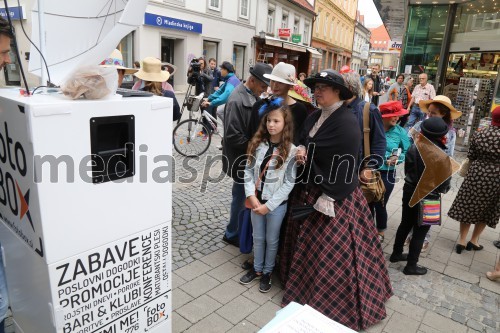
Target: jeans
(380, 209)
(266, 235)
(416, 115)
(237, 205)
(409, 221)
(4, 297)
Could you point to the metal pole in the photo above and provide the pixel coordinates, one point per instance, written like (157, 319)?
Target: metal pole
(445, 50)
(41, 28)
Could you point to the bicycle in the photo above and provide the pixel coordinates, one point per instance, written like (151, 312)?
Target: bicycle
(191, 137)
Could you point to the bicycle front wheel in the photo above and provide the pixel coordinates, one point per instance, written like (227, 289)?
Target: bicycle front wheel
(191, 138)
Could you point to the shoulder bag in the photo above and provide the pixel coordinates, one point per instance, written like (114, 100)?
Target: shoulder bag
(429, 212)
(374, 189)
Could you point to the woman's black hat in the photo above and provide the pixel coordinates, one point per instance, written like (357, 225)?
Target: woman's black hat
(434, 129)
(332, 78)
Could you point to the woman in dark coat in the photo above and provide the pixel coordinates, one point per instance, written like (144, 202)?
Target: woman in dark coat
(332, 260)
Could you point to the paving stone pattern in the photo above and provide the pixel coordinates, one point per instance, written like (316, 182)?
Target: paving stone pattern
(454, 296)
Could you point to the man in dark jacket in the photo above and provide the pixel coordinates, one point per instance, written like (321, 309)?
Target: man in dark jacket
(237, 134)
(216, 73)
(377, 132)
(377, 83)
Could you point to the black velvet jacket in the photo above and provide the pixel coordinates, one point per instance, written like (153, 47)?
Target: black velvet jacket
(332, 154)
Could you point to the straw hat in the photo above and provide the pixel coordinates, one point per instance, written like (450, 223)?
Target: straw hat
(441, 99)
(284, 73)
(115, 60)
(151, 71)
(299, 92)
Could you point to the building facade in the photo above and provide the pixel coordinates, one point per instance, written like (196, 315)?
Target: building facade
(285, 34)
(333, 32)
(384, 52)
(175, 31)
(361, 46)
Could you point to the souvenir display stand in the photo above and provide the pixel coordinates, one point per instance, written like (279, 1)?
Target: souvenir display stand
(473, 98)
(86, 209)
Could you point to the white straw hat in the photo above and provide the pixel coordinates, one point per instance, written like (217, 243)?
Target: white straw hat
(115, 60)
(151, 71)
(284, 73)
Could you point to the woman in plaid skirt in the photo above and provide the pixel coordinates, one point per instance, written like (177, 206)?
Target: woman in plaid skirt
(332, 259)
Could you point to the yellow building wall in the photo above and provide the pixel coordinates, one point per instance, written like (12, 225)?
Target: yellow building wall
(336, 22)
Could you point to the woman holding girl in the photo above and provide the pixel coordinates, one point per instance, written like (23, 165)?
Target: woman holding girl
(269, 178)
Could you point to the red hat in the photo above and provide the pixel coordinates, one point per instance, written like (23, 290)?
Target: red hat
(495, 116)
(392, 109)
(345, 69)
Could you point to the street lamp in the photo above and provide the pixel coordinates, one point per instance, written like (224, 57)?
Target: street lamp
(262, 34)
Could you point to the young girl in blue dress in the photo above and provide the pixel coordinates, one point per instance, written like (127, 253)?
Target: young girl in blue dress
(269, 179)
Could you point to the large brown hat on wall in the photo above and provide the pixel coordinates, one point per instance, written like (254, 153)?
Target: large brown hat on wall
(151, 71)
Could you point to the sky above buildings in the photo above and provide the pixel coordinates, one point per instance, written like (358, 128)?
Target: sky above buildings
(368, 9)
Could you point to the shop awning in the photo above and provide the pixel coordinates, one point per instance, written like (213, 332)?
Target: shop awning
(274, 41)
(314, 52)
(294, 47)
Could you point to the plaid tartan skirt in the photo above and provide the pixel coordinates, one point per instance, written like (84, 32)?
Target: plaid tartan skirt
(335, 265)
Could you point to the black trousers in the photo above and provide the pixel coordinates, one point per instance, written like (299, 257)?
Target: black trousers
(409, 220)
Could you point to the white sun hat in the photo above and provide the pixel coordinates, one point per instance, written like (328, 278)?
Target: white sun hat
(284, 73)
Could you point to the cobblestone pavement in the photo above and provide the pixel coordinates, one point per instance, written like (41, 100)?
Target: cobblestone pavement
(454, 296)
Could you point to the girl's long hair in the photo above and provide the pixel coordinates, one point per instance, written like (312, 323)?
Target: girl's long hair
(263, 135)
(153, 87)
(366, 85)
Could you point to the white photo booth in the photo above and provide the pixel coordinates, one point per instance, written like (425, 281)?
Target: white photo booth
(86, 209)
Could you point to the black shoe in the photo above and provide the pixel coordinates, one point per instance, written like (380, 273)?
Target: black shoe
(247, 265)
(414, 270)
(497, 243)
(265, 283)
(459, 248)
(234, 241)
(250, 276)
(398, 257)
(471, 246)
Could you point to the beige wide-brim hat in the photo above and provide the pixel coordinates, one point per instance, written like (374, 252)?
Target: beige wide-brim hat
(151, 71)
(441, 99)
(115, 60)
(284, 73)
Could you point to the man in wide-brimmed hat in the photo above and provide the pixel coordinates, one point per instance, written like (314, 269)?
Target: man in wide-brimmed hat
(237, 118)
(115, 60)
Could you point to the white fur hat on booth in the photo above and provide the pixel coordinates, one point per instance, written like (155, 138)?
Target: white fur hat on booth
(284, 73)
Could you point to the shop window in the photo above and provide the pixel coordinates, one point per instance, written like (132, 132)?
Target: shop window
(214, 5)
(244, 8)
(210, 49)
(239, 60)
(126, 48)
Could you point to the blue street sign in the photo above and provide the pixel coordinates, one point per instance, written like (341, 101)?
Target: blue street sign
(16, 13)
(172, 23)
